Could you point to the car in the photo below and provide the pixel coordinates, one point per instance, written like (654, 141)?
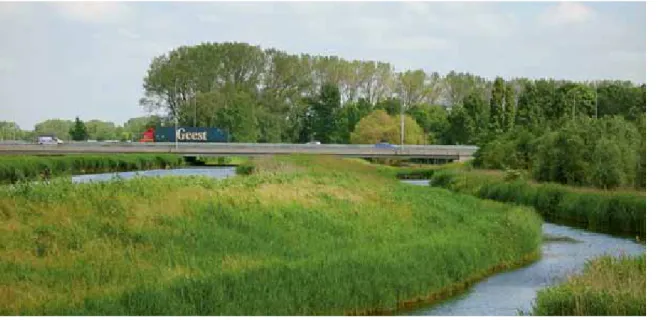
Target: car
(313, 142)
(385, 145)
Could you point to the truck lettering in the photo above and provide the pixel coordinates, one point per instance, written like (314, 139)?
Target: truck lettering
(181, 134)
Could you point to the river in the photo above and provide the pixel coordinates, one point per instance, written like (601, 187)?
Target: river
(564, 252)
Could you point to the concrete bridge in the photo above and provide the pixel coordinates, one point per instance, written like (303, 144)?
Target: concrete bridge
(448, 152)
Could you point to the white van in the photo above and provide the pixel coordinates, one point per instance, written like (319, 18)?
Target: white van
(49, 140)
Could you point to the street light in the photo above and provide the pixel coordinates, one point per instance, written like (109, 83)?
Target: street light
(401, 124)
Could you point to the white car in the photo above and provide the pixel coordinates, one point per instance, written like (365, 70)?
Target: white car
(49, 140)
(313, 142)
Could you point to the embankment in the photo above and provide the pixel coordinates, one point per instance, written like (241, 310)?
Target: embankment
(612, 212)
(295, 236)
(19, 168)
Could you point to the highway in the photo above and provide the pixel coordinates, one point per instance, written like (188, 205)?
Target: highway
(452, 152)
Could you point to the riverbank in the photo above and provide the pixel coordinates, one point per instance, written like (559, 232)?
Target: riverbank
(613, 212)
(21, 168)
(609, 286)
(297, 236)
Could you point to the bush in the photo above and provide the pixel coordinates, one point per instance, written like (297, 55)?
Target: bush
(605, 153)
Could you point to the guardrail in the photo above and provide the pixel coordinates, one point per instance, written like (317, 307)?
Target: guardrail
(354, 150)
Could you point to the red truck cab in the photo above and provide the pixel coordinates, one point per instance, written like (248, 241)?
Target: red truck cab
(149, 136)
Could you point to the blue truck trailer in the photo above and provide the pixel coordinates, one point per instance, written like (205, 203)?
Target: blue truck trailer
(189, 134)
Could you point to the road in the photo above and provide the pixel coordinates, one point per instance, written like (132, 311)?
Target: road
(452, 152)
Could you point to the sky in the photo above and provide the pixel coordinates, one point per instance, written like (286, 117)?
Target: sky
(88, 59)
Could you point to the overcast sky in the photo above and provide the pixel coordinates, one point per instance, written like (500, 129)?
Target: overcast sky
(61, 60)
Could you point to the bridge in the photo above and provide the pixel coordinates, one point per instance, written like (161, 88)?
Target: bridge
(448, 152)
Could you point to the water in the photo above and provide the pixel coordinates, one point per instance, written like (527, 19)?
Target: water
(215, 172)
(505, 294)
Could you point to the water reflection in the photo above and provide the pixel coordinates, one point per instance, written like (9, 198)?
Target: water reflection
(215, 172)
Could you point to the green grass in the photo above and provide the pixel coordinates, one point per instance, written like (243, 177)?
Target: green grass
(298, 236)
(614, 212)
(224, 161)
(609, 286)
(18, 168)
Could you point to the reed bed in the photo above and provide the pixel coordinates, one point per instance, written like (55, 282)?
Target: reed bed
(295, 235)
(609, 286)
(20, 168)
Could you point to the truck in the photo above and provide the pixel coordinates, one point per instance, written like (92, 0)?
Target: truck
(49, 139)
(185, 134)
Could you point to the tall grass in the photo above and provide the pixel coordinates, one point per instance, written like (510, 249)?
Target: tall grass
(298, 236)
(608, 287)
(17, 168)
(617, 212)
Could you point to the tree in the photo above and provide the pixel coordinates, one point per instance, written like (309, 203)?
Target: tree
(528, 113)
(57, 127)
(379, 126)
(101, 130)
(510, 107)
(322, 113)
(476, 109)
(462, 127)
(433, 119)
(497, 116)
(79, 131)
(10, 131)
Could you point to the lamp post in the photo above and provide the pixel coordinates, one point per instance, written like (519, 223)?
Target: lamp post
(401, 124)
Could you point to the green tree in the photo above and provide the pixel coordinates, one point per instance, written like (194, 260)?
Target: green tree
(323, 110)
(476, 109)
(379, 126)
(510, 108)
(10, 131)
(79, 131)
(373, 128)
(59, 128)
(462, 127)
(497, 116)
(529, 110)
(433, 119)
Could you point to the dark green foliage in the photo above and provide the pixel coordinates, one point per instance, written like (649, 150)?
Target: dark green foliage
(245, 169)
(79, 130)
(605, 153)
(17, 168)
(616, 213)
(510, 108)
(496, 107)
(323, 111)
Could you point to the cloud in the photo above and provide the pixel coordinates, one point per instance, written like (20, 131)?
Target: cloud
(95, 12)
(128, 34)
(567, 13)
(5, 64)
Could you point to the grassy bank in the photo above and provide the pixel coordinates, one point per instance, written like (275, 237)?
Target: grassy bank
(608, 287)
(298, 236)
(17, 168)
(618, 212)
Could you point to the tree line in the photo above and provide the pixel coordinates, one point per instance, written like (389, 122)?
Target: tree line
(95, 129)
(267, 95)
